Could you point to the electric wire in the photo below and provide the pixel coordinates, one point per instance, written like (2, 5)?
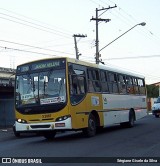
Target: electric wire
(39, 22)
(32, 26)
(33, 23)
(35, 47)
(133, 57)
(16, 49)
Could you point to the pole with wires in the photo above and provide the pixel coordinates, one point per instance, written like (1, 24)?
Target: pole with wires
(75, 42)
(97, 19)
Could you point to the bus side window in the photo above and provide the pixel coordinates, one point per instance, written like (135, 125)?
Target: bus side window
(90, 83)
(96, 81)
(93, 81)
(141, 85)
(104, 81)
(90, 86)
(81, 84)
(74, 86)
(77, 86)
(122, 83)
(135, 85)
(113, 86)
(129, 83)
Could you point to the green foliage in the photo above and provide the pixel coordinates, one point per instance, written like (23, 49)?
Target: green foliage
(152, 91)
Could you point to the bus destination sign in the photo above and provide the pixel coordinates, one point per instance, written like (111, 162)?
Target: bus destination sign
(44, 64)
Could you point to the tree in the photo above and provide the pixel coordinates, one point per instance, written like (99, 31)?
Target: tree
(152, 91)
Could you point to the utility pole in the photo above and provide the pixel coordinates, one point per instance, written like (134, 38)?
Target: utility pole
(75, 42)
(97, 19)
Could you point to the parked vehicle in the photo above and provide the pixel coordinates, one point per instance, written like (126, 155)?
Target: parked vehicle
(156, 108)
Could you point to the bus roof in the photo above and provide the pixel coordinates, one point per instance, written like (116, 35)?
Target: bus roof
(99, 66)
(105, 67)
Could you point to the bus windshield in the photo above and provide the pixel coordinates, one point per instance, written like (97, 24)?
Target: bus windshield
(41, 88)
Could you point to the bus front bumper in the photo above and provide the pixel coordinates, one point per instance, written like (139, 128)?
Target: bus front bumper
(34, 127)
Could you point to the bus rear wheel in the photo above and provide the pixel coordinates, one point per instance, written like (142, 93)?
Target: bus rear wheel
(90, 131)
(131, 121)
(49, 135)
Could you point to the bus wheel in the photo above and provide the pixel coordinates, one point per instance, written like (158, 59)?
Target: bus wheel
(130, 123)
(17, 134)
(49, 135)
(131, 119)
(90, 131)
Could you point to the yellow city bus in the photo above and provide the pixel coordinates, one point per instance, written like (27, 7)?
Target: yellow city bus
(61, 94)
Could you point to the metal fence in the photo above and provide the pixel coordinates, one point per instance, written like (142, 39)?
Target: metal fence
(7, 114)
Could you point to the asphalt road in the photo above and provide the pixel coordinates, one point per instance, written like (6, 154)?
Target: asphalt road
(141, 141)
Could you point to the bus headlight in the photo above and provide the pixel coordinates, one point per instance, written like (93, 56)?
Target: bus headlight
(21, 121)
(62, 118)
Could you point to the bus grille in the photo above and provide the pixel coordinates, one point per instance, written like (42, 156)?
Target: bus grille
(40, 126)
(39, 120)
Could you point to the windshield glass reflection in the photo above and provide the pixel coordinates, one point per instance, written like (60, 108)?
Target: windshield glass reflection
(41, 88)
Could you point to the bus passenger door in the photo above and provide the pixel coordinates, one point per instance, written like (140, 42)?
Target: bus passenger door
(77, 91)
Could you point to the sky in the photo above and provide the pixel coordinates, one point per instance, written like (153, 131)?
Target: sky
(36, 29)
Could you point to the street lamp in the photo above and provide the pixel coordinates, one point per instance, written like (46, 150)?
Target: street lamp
(142, 24)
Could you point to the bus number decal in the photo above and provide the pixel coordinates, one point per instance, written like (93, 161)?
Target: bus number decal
(46, 116)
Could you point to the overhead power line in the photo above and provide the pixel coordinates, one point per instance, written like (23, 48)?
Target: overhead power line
(134, 57)
(16, 49)
(35, 52)
(40, 22)
(26, 45)
(33, 25)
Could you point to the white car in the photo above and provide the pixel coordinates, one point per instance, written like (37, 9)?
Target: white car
(156, 108)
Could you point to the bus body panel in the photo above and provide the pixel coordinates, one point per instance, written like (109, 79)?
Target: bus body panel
(115, 114)
(80, 112)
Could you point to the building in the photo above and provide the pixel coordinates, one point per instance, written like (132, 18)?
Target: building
(156, 84)
(7, 79)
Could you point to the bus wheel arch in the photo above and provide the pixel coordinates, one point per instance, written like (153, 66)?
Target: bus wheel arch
(93, 122)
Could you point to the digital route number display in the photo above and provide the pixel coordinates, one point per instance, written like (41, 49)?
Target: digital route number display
(41, 65)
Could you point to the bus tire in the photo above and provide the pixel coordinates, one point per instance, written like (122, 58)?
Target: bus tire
(17, 134)
(131, 121)
(90, 131)
(49, 135)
